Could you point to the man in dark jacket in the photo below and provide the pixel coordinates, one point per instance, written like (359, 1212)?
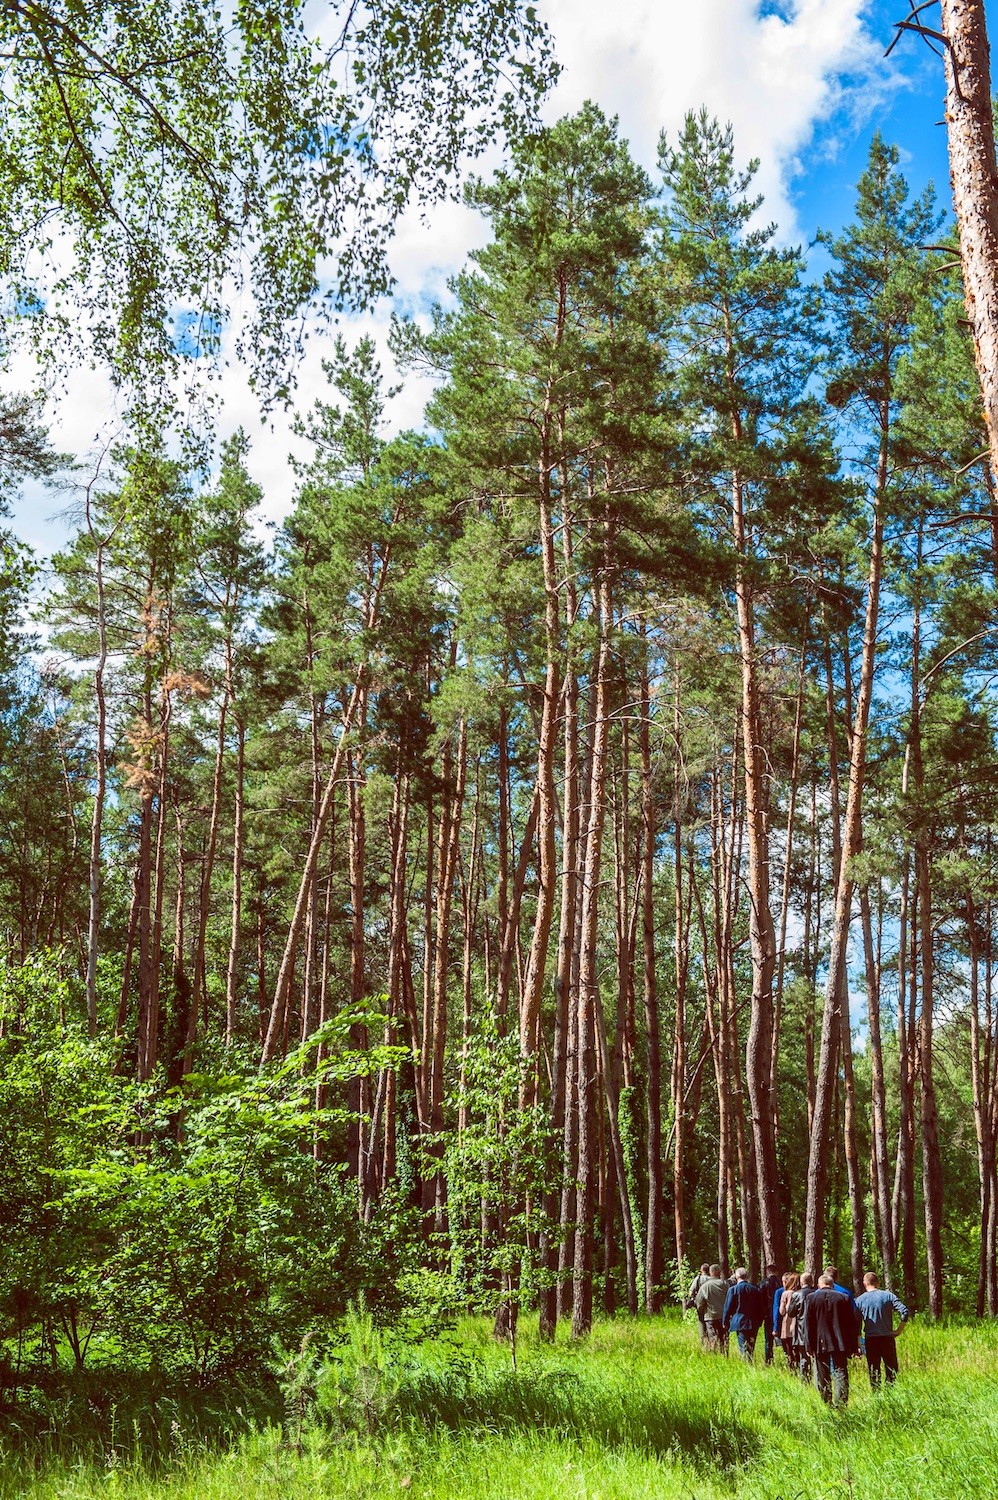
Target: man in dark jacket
(743, 1313)
(772, 1284)
(831, 1331)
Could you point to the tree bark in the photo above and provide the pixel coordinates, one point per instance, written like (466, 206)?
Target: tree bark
(835, 1031)
(653, 1082)
(974, 178)
(759, 1045)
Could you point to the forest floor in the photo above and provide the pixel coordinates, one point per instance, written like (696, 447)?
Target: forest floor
(636, 1412)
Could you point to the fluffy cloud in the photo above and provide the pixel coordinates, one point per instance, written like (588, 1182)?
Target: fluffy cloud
(774, 69)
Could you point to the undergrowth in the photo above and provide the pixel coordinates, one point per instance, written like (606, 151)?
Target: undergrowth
(636, 1411)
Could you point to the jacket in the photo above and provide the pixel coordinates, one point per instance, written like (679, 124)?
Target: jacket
(830, 1323)
(744, 1308)
(772, 1290)
(695, 1285)
(786, 1319)
(796, 1311)
(711, 1297)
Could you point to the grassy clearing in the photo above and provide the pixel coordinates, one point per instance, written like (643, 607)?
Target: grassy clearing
(636, 1412)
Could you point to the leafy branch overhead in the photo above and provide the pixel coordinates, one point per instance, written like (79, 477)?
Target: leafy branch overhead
(160, 163)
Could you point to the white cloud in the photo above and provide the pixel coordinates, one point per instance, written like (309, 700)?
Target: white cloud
(774, 76)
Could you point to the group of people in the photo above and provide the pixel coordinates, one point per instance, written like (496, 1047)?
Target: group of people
(820, 1328)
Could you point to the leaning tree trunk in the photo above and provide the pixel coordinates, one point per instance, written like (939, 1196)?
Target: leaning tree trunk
(974, 177)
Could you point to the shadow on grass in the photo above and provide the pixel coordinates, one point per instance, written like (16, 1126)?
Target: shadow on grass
(560, 1404)
(136, 1415)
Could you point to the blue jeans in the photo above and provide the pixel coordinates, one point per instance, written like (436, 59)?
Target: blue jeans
(746, 1343)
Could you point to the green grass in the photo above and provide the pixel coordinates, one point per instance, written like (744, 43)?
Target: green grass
(637, 1411)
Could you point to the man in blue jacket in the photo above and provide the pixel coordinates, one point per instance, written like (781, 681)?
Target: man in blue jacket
(744, 1312)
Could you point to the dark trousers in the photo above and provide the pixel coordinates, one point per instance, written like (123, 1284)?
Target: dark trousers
(716, 1336)
(803, 1365)
(770, 1338)
(746, 1343)
(790, 1350)
(881, 1349)
(831, 1376)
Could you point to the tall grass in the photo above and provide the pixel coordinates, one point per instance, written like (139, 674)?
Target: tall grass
(637, 1411)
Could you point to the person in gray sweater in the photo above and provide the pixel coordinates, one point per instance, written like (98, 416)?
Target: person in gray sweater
(879, 1334)
(691, 1298)
(710, 1300)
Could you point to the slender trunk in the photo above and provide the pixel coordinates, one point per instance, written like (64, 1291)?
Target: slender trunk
(282, 990)
(978, 1073)
(681, 961)
(653, 1100)
(208, 867)
(759, 1046)
(360, 1103)
(788, 850)
(835, 1031)
(931, 1162)
(450, 833)
(100, 782)
(878, 1093)
(238, 854)
(588, 999)
(562, 1107)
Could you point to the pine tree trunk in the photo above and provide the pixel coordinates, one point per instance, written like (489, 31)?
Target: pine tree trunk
(562, 1106)
(788, 851)
(238, 855)
(878, 1094)
(450, 833)
(100, 783)
(282, 991)
(836, 1034)
(974, 178)
(208, 867)
(759, 1046)
(359, 1091)
(653, 1082)
(681, 962)
(588, 999)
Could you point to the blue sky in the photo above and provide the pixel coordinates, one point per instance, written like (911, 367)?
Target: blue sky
(804, 83)
(823, 192)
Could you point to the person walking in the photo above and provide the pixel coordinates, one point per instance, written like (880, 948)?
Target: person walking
(771, 1289)
(744, 1311)
(691, 1297)
(832, 1337)
(833, 1272)
(786, 1318)
(710, 1300)
(877, 1309)
(796, 1309)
